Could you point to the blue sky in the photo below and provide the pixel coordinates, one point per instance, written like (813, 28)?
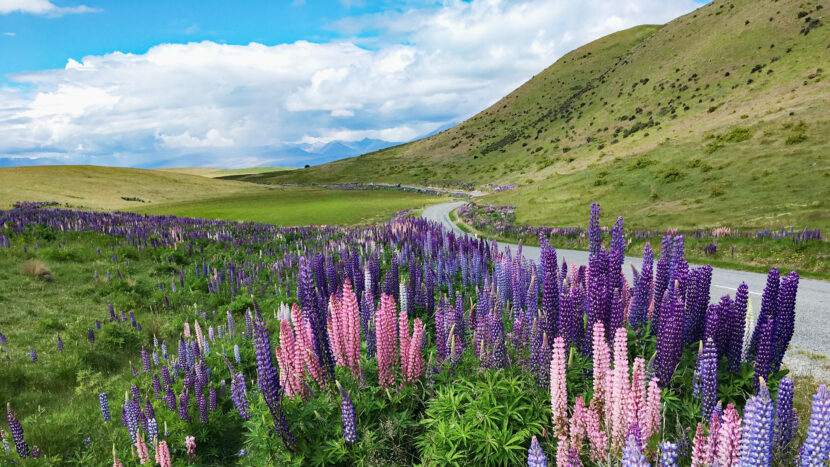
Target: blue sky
(221, 83)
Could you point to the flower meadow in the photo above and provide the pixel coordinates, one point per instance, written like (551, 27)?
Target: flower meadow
(398, 343)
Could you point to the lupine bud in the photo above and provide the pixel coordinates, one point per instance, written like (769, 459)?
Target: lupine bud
(535, 455)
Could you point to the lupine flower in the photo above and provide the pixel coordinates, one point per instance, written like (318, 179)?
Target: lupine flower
(816, 449)
(347, 412)
(708, 367)
(756, 447)
(651, 418)
(668, 454)
(152, 431)
(669, 337)
(17, 432)
(729, 438)
(90, 335)
(60, 344)
(785, 420)
(602, 366)
(386, 339)
(184, 403)
(633, 454)
(203, 408)
(414, 358)
(558, 388)
(535, 455)
(699, 448)
(163, 455)
(105, 406)
(268, 379)
(619, 390)
(190, 444)
(143, 452)
(33, 354)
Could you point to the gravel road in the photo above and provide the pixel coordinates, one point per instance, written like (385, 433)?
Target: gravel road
(810, 347)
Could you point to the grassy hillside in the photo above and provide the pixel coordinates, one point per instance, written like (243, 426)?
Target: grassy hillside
(288, 206)
(93, 187)
(212, 172)
(716, 118)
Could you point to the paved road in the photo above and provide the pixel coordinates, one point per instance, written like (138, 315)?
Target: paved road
(810, 347)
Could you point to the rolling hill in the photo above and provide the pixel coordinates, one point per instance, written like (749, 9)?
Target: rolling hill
(102, 188)
(212, 172)
(719, 117)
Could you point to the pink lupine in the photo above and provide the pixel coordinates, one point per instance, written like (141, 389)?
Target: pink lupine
(291, 363)
(403, 338)
(699, 448)
(190, 444)
(387, 352)
(558, 388)
(651, 416)
(602, 367)
(577, 427)
(729, 438)
(637, 400)
(351, 322)
(143, 452)
(302, 333)
(712, 439)
(163, 454)
(415, 360)
(598, 438)
(619, 391)
(563, 450)
(115, 461)
(334, 323)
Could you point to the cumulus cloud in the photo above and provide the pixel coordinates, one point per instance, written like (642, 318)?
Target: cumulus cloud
(392, 76)
(41, 7)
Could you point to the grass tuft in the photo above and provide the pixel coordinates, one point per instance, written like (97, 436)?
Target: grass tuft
(37, 270)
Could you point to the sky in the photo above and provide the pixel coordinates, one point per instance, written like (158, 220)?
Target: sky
(276, 82)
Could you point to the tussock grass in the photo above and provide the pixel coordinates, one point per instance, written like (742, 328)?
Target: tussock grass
(37, 270)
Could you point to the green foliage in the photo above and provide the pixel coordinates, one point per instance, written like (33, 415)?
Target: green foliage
(484, 417)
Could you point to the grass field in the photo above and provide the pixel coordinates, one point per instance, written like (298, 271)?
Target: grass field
(212, 172)
(716, 118)
(297, 206)
(102, 188)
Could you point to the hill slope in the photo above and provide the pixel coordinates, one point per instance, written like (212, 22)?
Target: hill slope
(93, 187)
(719, 117)
(212, 172)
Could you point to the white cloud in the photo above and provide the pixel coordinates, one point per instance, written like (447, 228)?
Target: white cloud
(41, 7)
(425, 68)
(10, 34)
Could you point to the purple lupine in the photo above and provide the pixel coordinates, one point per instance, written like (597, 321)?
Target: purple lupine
(3, 340)
(756, 444)
(105, 406)
(785, 319)
(535, 455)
(212, 398)
(816, 449)
(769, 306)
(785, 419)
(639, 305)
(347, 412)
(113, 316)
(737, 329)
(669, 337)
(90, 336)
(33, 354)
(152, 430)
(708, 368)
(593, 230)
(268, 379)
(661, 278)
(231, 324)
(633, 453)
(145, 361)
(149, 411)
(668, 454)
(763, 357)
(203, 407)
(184, 403)
(60, 344)
(17, 432)
(130, 417)
(550, 289)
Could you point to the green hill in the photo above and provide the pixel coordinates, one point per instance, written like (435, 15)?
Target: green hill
(94, 187)
(212, 172)
(719, 117)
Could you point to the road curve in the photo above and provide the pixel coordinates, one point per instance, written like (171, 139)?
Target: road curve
(810, 346)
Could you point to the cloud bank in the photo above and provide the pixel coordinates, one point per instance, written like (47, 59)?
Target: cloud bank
(41, 7)
(391, 77)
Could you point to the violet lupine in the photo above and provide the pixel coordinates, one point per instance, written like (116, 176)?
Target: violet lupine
(785, 420)
(535, 455)
(633, 454)
(785, 318)
(152, 431)
(239, 392)
(763, 356)
(105, 406)
(669, 337)
(558, 388)
(60, 344)
(203, 407)
(769, 306)
(729, 438)
(347, 414)
(737, 329)
(708, 368)
(756, 446)
(131, 418)
(33, 354)
(816, 449)
(668, 454)
(639, 305)
(268, 379)
(17, 432)
(387, 351)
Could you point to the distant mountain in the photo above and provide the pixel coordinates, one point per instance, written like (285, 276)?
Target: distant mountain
(719, 117)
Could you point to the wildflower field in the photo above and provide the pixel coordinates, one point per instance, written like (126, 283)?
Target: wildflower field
(128, 339)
